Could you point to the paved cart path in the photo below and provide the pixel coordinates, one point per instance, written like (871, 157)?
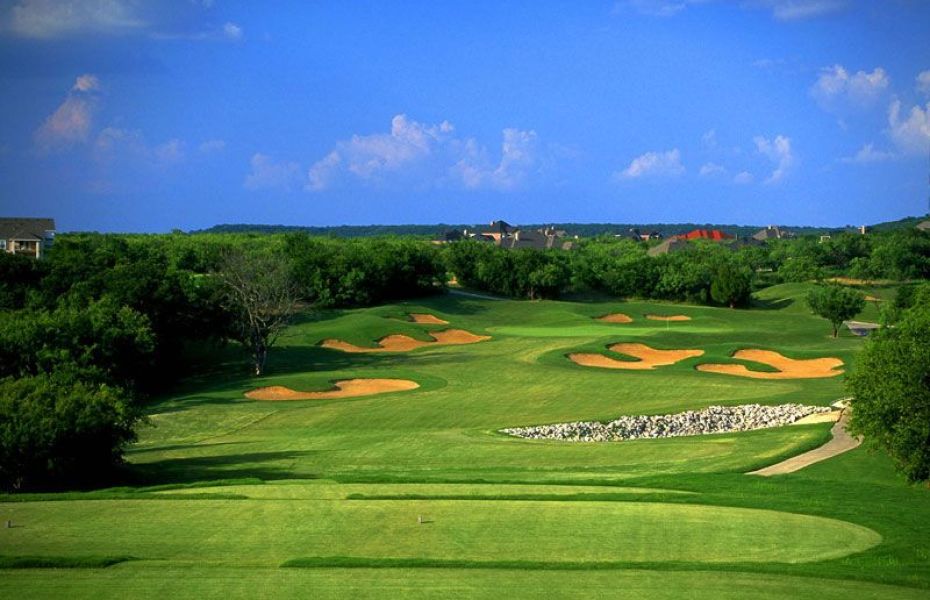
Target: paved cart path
(841, 442)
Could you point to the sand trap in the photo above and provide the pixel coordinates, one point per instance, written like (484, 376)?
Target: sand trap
(872, 299)
(405, 343)
(787, 368)
(649, 358)
(616, 318)
(427, 319)
(347, 388)
(668, 317)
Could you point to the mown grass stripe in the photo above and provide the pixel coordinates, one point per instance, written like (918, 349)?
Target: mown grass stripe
(61, 562)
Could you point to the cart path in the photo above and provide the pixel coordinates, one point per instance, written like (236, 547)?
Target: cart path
(842, 442)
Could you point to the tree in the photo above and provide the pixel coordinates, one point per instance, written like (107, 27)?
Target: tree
(835, 303)
(731, 285)
(261, 297)
(56, 431)
(891, 391)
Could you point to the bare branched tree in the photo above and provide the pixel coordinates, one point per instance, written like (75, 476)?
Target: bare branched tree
(261, 297)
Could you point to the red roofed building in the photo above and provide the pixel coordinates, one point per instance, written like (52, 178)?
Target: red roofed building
(705, 234)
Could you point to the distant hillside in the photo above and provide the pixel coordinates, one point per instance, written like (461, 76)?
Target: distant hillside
(579, 229)
(905, 223)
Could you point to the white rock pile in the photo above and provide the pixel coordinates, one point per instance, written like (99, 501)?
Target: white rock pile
(713, 419)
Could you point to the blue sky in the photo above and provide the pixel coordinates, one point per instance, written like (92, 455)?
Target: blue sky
(120, 115)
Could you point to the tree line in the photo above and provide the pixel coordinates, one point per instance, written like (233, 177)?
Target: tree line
(104, 321)
(701, 272)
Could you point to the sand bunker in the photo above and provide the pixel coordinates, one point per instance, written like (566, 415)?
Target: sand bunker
(427, 319)
(872, 299)
(788, 368)
(649, 358)
(668, 317)
(405, 343)
(615, 318)
(347, 388)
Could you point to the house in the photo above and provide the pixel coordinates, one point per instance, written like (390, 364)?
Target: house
(705, 234)
(924, 226)
(498, 230)
(772, 232)
(29, 237)
(673, 244)
(636, 234)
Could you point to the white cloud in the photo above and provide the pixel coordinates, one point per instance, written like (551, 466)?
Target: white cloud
(779, 152)
(836, 90)
(782, 10)
(118, 145)
(232, 31)
(86, 83)
(654, 164)
(911, 132)
(659, 8)
(710, 169)
(268, 174)
(709, 139)
(322, 171)
(797, 10)
(743, 178)
(211, 146)
(868, 154)
(46, 19)
(429, 155)
(518, 157)
(71, 122)
(923, 82)
(369, 156)
(169, 152)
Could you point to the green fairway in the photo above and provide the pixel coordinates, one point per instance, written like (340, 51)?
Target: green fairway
(246, 487)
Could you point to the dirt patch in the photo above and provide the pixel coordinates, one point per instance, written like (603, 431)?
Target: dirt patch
(616, 318)
(788, 368)
(668, 317)
(347, 388)
(649, 358)
(427, 319)
(405, 343)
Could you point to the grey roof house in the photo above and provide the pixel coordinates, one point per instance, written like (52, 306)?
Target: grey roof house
(29, 237)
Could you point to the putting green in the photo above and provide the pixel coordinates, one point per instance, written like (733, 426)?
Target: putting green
(269, 532)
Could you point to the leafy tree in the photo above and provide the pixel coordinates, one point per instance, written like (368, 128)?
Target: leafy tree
(891, 391)
(799, 269)
(731, 285)
(261, 297)
(59, 431)
(835, 303)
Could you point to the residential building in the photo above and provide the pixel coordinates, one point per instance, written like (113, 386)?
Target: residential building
(26, 236)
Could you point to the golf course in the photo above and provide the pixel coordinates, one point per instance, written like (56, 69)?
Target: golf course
(368, 460)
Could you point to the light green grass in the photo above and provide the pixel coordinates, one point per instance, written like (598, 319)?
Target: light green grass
(505, 517)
